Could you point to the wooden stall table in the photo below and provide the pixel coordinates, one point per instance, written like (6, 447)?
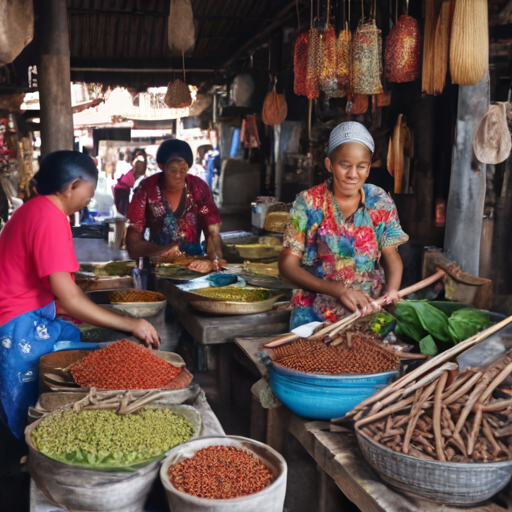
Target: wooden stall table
(217, 332)
(340, 460)
(211, 427)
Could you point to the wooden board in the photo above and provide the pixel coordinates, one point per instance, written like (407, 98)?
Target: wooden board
(105, 284)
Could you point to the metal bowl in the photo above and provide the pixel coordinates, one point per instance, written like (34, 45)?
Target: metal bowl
(234, 308)
(139, 309)
(323, 397)
(450, 483)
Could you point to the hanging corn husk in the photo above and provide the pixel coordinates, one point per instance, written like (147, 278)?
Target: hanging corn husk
(366, 60)
(491, 142)
(344, 59)
(275, 108)
(327, 74)
(402, 56)
(180, 27)
(442, 47)
(469, 46)
(427, 84)
(178, 95)
(300, 64)
(312, 78)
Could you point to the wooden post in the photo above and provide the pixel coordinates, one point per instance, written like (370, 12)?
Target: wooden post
(54, 78)
(467, 186)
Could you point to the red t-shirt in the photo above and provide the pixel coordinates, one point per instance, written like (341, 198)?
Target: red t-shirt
(35, 243)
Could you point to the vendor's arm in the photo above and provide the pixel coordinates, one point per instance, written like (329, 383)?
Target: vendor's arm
(79, 306)
(214, 247)
(140, 248)
(393, 268)
(290, 268)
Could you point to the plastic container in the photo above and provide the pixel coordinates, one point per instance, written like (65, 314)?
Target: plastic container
(324, 397)
(270, 499)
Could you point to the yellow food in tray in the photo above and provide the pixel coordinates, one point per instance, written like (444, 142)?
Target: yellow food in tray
(258, 251)
(234, 294)
(261, 269)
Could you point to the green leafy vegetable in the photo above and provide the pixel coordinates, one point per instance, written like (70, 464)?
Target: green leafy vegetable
(418, 318)
(408, 322)
(428, 346)
(467, 322)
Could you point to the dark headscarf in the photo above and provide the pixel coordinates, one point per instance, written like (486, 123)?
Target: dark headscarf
(174, 149)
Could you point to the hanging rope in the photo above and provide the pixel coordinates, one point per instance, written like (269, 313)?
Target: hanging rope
(184, 72)
(298, 16)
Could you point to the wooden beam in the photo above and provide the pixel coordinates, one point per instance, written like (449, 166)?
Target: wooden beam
(280, 16)
(465, 208)
(54, 78)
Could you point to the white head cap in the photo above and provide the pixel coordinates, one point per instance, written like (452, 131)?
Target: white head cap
(350, 132)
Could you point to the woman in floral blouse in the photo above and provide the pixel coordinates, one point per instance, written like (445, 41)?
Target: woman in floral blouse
(340, 247)
(176, 207)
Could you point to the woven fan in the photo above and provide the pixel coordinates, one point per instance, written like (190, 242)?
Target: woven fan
(178, 95)
(366, 61)
(469, 45)
(402, 56)
(180, 27)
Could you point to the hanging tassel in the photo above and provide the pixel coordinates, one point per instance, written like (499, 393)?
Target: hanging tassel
(366, 61)
(344, 60)
(328, 80)
(300, 64)
(312, 80)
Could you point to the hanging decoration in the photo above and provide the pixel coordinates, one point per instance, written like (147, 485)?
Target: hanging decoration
(402, 57)
(312, 78)
(300, 64)
(327, 74)
(427, 84)
(366, 57)
(275, 108)
(442, 46)
(357, 104)
(249, 132)
(344, 59)
(300, 59)
(16, 28)
(178, 95)
(469, 45)
(180, 26)
(492, 143)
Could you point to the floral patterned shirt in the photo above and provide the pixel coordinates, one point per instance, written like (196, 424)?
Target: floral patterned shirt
(338, 249)
(197, 210)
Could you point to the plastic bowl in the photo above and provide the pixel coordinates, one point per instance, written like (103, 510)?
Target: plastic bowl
(324, 397)
(270, 499)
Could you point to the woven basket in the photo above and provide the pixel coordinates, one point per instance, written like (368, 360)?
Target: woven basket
(366, 60)
(344, 59)
(450, 483)
(327, 73)
(469, 46)
(300, 64)
(402, 56)
(178, 95)
(312, 78)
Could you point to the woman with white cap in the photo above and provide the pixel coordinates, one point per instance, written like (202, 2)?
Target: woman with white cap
(340, 247)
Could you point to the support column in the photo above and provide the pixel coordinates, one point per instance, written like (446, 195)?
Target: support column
(54, 78)
(465, 208)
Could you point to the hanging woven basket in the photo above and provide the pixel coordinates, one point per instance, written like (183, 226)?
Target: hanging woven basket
(300, 64)
(180, 26)
(275, 108)
(327, 74)
(312, 78)
(366, 60)
(402, 57)
(178, 95)
(344, 59)
(469, 45)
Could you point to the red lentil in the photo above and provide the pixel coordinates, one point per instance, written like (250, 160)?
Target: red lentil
(220, 472)
(123, 365)
(362, 357)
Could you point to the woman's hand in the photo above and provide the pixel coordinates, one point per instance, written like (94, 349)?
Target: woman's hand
(391, 297)
(356, 300)
(144, 331)
(218, 264)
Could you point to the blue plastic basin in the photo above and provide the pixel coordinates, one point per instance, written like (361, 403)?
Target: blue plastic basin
(324, 397)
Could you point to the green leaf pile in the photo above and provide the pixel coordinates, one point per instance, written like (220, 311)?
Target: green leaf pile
(427, 324)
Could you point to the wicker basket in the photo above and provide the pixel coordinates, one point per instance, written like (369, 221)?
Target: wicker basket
(450, 483)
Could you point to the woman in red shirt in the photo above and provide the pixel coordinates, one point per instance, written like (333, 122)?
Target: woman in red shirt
(127, 181)
(176, 207)
(37, 262)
